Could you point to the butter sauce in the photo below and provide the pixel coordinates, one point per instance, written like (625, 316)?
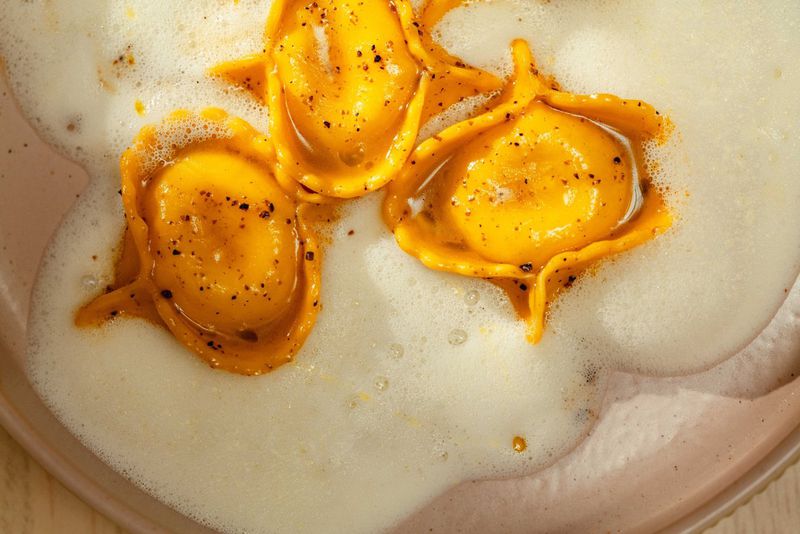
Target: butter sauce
(251, 454)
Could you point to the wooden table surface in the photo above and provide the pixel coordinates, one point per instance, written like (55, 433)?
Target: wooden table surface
(33, 502)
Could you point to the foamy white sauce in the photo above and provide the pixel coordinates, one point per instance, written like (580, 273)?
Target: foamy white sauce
(353, 438)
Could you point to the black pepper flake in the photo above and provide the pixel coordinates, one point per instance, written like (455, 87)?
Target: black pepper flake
(114, 313)
(526, 267)
(377, 58)
(310, 255)
(264, 214)
(617, 160)
(523, 287)
(244, 206)
(327, 124)
(166, 293)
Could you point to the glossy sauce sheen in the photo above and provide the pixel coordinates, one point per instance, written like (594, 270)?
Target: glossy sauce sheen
(412, 380)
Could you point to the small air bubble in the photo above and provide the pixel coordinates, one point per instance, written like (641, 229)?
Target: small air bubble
(89, 281)
(353, 157)
(352, 403)
(396, 351)
(381, 383)
(472, 297)
(456, 337)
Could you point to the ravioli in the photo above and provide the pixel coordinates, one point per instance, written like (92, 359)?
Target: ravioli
(532, 192)
(528, 194)
(215, 249)
(347, 86)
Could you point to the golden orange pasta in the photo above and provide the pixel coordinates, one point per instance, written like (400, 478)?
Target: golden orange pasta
(215, 249)
(531, 192)
(347, 85)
